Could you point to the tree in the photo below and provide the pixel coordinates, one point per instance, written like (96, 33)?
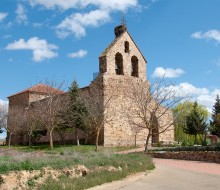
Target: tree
(215, 123)
(150, 106)
(15, 121)
(97, 109)
(72, 116)
(180, 112)
(3, 117)
(32, 125)
(48, 108)
(195, 122)
(136, 129)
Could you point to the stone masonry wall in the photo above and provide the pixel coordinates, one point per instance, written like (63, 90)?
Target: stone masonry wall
(118, 47)
(119, 132)
(207, 156)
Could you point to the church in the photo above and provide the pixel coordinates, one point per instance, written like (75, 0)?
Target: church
(120, 65)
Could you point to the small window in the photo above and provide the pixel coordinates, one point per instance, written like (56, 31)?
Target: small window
(134, 66)
(126, 47)
(119, 64)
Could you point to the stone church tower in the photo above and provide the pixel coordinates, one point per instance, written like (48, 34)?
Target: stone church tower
(120, 63)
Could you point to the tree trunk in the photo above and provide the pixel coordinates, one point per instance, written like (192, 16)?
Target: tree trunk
(29, 139)
(86, 138)
(205, 137)
(77, 137)
(196, 140)
(61, 139)
(9, 140)
(51, 139)
(97, 140)
(135, 139)
(147, 142)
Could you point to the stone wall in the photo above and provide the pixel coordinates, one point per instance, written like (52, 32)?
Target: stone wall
(19, 100)
(118, 46)
(120, 131)
(207, 156)
(36, 96)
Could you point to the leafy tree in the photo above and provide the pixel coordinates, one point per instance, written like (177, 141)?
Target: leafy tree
(215, 123)
(181, 111)
(195, 122)
(72, 117)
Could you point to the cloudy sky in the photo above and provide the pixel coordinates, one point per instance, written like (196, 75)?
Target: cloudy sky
(61, 40)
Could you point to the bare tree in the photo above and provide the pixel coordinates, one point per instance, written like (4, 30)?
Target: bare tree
(136, 128)
(151, 106)
(15, 123)
(32, 124)
(97, 107)
(48, 108)
(3, 117)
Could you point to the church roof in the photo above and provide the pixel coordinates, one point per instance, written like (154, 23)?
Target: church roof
(113, 43)
(40, 88)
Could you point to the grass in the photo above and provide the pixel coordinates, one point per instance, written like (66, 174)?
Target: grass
(68, 156)
(60, 157)
(130, 164)
(60, 148)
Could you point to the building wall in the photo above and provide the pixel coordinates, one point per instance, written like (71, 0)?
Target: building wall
(19, 100)
(36, 96)
(119, 132)
(118, 47)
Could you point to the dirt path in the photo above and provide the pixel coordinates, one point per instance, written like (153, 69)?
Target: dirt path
(196, 166)
(172, 175)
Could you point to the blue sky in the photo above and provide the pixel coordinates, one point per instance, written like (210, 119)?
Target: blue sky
(62, 39)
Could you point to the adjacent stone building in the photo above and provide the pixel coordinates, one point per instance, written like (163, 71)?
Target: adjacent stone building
(120, 65)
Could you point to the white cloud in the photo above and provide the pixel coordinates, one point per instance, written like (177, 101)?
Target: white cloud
(209, 35)
(203, 96)
(77, 23)
(3, 16)
(187, 89)
(79, 54)
(21, 14)
(102, 4)
(161, 72)
(40, 47)
(3, 103)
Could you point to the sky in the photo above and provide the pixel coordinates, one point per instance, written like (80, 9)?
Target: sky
(61, 40)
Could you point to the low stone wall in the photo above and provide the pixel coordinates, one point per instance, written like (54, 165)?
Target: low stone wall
(206, 156)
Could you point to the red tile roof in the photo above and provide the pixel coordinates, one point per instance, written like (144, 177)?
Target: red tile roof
(40, 88)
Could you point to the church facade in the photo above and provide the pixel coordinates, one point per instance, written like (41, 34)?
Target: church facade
(120, 65)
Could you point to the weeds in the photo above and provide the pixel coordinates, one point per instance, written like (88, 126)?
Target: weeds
(65, 157)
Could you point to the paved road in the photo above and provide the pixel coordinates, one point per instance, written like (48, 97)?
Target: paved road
(172, 175)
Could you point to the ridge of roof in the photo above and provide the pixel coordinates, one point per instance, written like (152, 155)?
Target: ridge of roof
(39, 88)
